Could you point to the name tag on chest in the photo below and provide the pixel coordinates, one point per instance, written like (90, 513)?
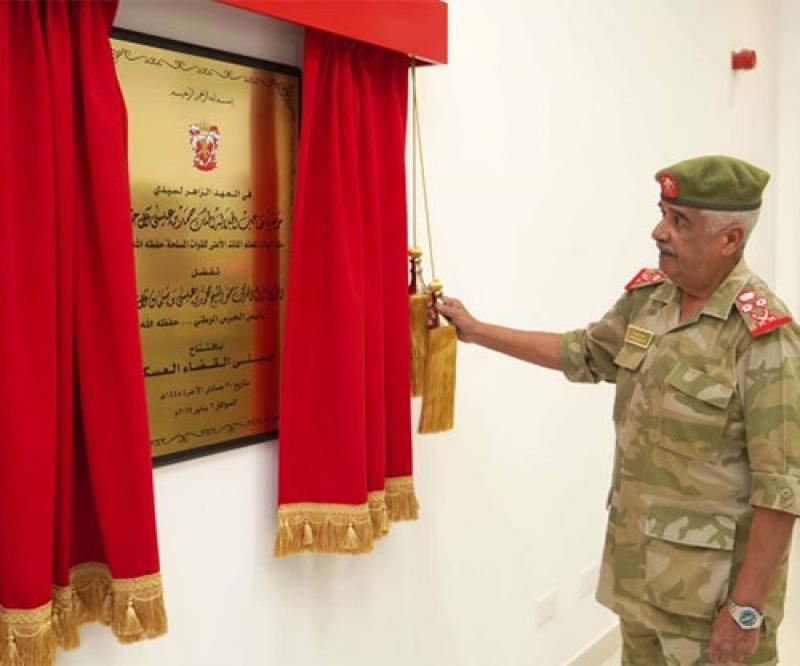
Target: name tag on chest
(639, 337)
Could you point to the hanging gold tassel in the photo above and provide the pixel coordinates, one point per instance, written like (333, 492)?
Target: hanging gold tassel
(11, 657)
(29, 644)
(308, 534)
(63, 620)
(136, 617)
(351, 538)
(133, 626)
(379, 518)
(417, 296)
(439, 375)
(418, 322)
(107, 613)
(58, 625)
(438, 401)
(384, 519)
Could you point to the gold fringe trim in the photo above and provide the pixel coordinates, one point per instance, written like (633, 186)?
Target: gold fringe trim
(379, 514)
(323, 528)
(133, 608)
(401, 499)
(418, 325)
(26, 637)
(349, 529)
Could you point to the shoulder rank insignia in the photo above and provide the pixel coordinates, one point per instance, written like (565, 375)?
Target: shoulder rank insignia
(757, 313)
(646, 277)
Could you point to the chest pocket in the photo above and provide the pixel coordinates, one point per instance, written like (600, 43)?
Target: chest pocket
(693, 410)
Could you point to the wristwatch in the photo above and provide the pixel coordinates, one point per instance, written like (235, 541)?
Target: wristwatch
(746, 617)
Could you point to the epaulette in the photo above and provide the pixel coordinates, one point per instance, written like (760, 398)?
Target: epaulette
(758, 313)
(645, 278)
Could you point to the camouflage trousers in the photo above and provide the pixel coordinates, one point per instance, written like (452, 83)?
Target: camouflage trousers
(644, 647)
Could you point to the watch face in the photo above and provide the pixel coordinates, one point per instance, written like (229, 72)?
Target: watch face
(748, 618)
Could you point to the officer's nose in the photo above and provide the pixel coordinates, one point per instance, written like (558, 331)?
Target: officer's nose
(660, 232)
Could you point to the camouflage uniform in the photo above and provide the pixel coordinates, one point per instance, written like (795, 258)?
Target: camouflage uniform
(706, 419)
(644, 647)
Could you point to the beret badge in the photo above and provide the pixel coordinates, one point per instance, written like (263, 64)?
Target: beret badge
(669, 185)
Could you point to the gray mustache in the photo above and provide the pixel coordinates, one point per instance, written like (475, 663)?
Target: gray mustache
(666, 249)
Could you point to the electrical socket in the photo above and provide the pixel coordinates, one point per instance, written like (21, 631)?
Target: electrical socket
(588, 583)
(546, 608)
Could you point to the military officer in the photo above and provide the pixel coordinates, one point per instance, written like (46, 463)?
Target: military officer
(706, 485)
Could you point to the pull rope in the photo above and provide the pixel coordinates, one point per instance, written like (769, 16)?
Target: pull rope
(414, 151)
(417, 146)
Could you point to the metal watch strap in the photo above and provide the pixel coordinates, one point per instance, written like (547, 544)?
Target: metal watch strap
(747, 617)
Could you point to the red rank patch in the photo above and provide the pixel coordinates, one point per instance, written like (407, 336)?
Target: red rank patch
(669, 185)
(646, 276)
(756, 307)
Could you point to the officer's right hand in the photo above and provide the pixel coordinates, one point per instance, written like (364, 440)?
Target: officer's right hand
(466, 325)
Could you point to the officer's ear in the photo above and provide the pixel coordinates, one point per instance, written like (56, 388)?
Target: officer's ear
(732, 239)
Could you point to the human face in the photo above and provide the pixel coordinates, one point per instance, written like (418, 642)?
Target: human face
(688, 253)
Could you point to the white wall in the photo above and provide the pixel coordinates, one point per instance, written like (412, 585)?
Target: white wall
(542, 136)
(788, 176)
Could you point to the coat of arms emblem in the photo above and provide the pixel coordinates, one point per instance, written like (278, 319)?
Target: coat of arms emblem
(205, 143)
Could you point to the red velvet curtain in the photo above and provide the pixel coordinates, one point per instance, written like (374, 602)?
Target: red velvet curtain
(345, 422)
(77, 522)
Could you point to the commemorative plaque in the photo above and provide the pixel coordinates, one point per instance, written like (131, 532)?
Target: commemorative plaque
(212, 139)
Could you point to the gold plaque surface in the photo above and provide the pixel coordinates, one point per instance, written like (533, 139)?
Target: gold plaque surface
(212, 139)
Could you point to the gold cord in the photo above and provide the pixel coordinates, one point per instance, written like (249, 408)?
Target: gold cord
(414, 152)
(417, 131)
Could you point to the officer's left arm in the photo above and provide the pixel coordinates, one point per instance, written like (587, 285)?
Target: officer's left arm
(769, 385)
(769, 381)
(769, 538)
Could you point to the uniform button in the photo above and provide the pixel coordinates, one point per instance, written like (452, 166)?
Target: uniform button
(787, 496)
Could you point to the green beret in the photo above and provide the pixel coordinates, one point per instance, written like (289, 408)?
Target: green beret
(716, 182)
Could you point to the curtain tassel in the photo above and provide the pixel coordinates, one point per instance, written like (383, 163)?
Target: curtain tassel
(106, 614)
(308, 534)
(11, 657)
(438, 400)
(58, 623)
(65, 627)
(133, 626)
(384, 519)
(439, 375)
(351, 539)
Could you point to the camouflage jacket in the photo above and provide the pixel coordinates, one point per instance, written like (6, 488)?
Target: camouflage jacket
(707, 427)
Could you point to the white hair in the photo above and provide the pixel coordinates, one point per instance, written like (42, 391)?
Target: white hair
(717, 220)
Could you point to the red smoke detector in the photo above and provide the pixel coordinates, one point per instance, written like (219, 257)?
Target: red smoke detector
(744, 59)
